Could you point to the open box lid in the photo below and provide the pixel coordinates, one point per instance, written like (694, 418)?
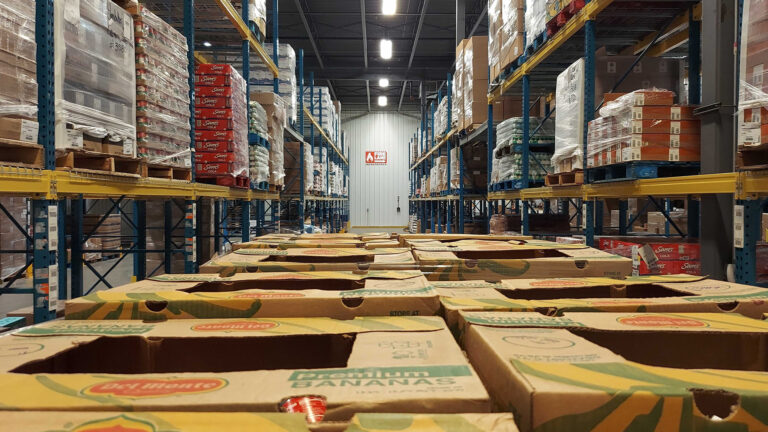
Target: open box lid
(299, 243)
(374, 422)
(46, 421)
(522, 284)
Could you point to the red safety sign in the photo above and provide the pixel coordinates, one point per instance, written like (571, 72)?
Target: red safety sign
(375, 158)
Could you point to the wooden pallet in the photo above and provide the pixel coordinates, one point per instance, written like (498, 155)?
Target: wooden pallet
(641, 170)
(753, 157)
(21, 154)
(166, 172)
(572, 178)
(77, 160)
(277, 188)
(239, 182)
(566, 13)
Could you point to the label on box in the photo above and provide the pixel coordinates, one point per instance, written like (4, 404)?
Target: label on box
(738, 226)
(674, 141)
(648, 256)
(639, 99)
(129, 147)
(751, 136)
(675, 113)
(611, 67)
(29, 130)
(637, 142)
(608, 158)
(637, 127)
(674, 127)
(53, 287)
(757, 115)
(53, 228)
(635, 260)
(757, 75)
(74, 138)
(674, 154)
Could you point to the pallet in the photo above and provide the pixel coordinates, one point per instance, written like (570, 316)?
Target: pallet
(256, 139)
(239, 182)
(536, 43)
(84, 161)
(262, 186)
(508, 70)
(566, 13)
(641, 170)
(753, 158)
(572, 178)
(509, 185)
(166, 172)
(275, 188)
(21, 154)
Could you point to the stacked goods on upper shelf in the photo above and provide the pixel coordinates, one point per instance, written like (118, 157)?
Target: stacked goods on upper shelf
(261, 78)
(569, 127)
(322, 109)
(506, 33)
(95, 75)
(441, 118)
(413, 144)
(156, 241)
(508, 150)
(18, 71)
(753, 88)
(536, 17)
(474, 84)
(258, 154)
(294, 168)
(162, 90)
(105, 230)
(336, 180)
(11, 238)
(644, 126)
(221, 125)
(319, 158)
(257, 14)
(274, 105)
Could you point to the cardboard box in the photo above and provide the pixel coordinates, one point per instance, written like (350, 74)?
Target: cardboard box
(587, 371)
(310, 259)
(433, 423)
(152, 421)
(764, 228)
(19, 129)
(340, 295)
(408, 240)
(650, 72)
(517, 259)
(670, 293)
(374, 364)
(300, 243)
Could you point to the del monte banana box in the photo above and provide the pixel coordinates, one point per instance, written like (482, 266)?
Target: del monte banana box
(623, 371)
(667, 293)
(340, 295)
(299, 243)
(310, 259)
(370, 364)
(502, 422)
(378, 236)
(62, 421)
(407, 240)
(493, 261)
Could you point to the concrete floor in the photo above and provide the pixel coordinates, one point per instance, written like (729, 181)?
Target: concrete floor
(121, 275)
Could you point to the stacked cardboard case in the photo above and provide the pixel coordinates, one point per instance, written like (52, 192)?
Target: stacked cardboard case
(95, 79)
(507, 157)
(753, 87)
(274, 106)
(323, 109)
(261, 78)
(506, 33)
(162, 90)
(18, 65)
(221, 124)
(11, 238)
(258, 155)
(294, 168)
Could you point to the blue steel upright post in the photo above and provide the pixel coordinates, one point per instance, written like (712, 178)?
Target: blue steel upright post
(589, 112)
(245, 204)
(694, 98)
(190, 225)
(491, 138)
(526, 151)
(301, 144)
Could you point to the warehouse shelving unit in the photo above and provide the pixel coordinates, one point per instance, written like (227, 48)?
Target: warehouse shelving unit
(53, 192)
(440, 210)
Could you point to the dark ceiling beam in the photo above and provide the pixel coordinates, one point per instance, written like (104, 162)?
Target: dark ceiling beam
(309, 32)
(418, 32)
(330, 88)
(478, 21)
(402, 93)
(368, 92)
(365, 39)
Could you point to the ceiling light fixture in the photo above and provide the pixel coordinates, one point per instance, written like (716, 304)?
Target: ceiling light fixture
(383, 82)
(386, 49)
(207, 44)
(388, 7)
(382, 101)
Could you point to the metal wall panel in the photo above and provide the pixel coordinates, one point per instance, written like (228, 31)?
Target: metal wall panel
(374, 189)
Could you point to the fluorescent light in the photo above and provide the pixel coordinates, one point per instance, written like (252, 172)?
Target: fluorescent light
(386, 49)
(388, 7)
(206, 44)
(383, 82)
(382, 101)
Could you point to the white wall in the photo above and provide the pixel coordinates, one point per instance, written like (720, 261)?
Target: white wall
(374, 188)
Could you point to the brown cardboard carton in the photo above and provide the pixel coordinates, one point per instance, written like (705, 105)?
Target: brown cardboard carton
(764, 228)
(495, 261)
(373, 364)
(408, 240)
(310, 259)
(339, 295)
(18, 129)
(299, 243)
(433, 423)
(608, 371)
(668, 293)
(152, 421)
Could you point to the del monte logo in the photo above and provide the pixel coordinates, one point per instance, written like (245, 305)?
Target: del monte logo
(160, 387)
(233, 326)
(661, 321)
(121, 423)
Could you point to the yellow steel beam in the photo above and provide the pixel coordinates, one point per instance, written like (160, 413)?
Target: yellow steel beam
(434, 148)
(668, 44)
(678, 24)
(573, 26)
(200, 58)
(247, 34)
(505, 195)
(325, 135)
(34, 183)
(753, 184)
(705, 184)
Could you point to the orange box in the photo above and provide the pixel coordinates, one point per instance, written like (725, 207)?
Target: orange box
(656, 152)
(690, 127)
(756, 116)
(646, 98)
(675, 112)
(666, 139)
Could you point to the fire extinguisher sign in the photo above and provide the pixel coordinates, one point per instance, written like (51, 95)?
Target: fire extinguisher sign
(375, 158)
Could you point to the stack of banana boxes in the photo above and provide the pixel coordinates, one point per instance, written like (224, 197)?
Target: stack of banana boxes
(386, 332)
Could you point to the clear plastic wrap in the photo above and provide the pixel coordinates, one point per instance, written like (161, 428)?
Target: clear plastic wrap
(753, 84)
(259, 164)
(257, 122)
(11, 238)
(18, 59)
(509, 134)
(221, 129)
(512, 32)
(569, 128)
(162, 90)
(535, 19)
(95, 71)
(320, 182)
(457, 93)
(326, 115)
(274, 105)
(262, 80)
(441, 118)
(494, 36)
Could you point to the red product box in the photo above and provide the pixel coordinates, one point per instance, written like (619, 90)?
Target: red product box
(210, 157)
(671, 268)
(213, 69)
(213, 102)
(676, 251)
(213, 80)
(214, 168)
(215, 146)
(213, 91)
(213, 113)
(214, 135)
(214, 124)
